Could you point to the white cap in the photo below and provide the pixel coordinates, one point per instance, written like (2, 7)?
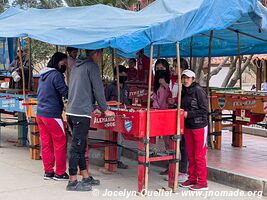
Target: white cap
(189, 73)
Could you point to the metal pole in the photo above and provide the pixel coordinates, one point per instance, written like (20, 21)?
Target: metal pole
(207, 89)
(113, 63)
(258, 75)
(246, 34)
(22, 70)
(239, 57)
(209, 62)
(265, 71)
(102, 65)
(23, 88)
(148, 115)
(159, 51)
(56, 48)
(30, 65)
(117, 76)
(178, 131)
(191, 51)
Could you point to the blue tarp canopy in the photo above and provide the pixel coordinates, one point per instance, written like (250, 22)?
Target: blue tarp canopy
(163, 22)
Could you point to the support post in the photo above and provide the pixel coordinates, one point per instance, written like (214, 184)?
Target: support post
(191, 52)
(22, 70)
(265, 71)
(30, 66)
(210, 138)
(111, 152)
(258, 75)
(102, 65)
(239, 60)
(148, 118)
(159, 51)
(173, 178)
(117, 76)
(218, 130)
(22, 130)
(33, 138)
(237, 136)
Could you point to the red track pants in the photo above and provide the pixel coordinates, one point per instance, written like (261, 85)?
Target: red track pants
(54, 143)
(195, 140)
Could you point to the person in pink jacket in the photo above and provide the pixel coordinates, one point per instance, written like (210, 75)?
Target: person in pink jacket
(162, 90)
(161, 85)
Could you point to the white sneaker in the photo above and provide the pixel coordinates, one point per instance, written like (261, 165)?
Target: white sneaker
(182, 177)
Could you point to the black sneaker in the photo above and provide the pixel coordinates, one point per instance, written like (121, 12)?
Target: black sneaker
(121, 165)
(78, 186)
(48, 176)
(63, 177)
(165, 172)
(91, 181)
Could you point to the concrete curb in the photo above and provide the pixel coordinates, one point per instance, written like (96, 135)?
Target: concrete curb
(236, 180)
(252, 131)
(255, 131)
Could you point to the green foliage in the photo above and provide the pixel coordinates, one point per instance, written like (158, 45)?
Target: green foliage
(3, 5)
(42, 52)
(125, 4)
(40, 4)
(50, 3)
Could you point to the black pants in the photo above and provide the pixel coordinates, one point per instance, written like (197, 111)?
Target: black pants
(183, 164)
(79, 127)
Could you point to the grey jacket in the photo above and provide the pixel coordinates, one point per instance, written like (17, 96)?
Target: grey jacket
(84, 88)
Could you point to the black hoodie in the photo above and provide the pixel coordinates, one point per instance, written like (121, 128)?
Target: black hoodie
(195, 102)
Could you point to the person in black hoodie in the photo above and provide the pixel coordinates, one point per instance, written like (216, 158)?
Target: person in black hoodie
(51, 89)
(195, 105)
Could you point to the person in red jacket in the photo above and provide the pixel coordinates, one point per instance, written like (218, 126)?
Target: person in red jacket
(132, 71)
(195, 104)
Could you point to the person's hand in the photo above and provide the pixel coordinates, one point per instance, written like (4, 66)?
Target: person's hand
(97, 112)
(109, 113)
(152, 96)
(185, 114)
(65, 103)
(162, 82)
(171, 101)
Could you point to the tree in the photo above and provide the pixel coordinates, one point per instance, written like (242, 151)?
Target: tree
(245, 63)
(125, 4)
(41, 52)
(40, 4)
(204, 75)
(199, 65)
(231, 71)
